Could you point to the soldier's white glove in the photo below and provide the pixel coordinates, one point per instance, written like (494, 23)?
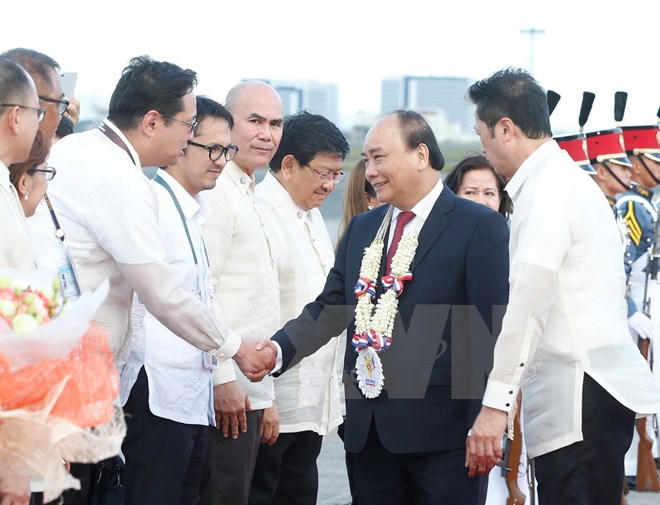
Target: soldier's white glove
(641, 325)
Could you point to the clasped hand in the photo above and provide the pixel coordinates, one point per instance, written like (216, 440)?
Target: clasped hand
(256, 360)
(483, 446)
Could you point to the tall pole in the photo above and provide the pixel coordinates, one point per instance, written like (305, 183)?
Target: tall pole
(532, 32)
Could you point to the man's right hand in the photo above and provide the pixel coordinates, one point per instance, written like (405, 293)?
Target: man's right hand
(256, 363)
(230, 403)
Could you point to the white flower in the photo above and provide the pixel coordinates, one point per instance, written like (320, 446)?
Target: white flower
(381, 320)
(24, 323)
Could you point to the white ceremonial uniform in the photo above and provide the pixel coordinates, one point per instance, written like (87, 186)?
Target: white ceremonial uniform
(15, 246)
(566, 315)
(242, 271)
(308, 394)
(180, 375)
(110, 214)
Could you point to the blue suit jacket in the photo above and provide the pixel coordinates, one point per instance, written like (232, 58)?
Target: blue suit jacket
(442, 347)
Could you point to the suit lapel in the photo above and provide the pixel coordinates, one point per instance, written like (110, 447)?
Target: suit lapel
(438, 220)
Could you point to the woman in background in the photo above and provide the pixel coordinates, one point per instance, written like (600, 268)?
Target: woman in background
(30, 178)
(359, 196)
(474, 178)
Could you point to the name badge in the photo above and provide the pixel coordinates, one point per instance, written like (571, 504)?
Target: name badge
(67, 275)
(210, 362)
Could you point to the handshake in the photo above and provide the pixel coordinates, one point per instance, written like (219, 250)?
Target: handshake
(256, 360)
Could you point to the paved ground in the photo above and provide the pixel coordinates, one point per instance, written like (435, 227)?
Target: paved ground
(333, 483)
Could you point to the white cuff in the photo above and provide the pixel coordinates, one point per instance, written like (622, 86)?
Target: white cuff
(500, 396)
(278, 359)
(225, 372)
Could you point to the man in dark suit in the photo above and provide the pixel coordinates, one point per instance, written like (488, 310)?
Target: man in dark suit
(408, 439)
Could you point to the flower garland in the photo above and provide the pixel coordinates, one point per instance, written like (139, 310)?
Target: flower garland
(373, 328)
(374, 325)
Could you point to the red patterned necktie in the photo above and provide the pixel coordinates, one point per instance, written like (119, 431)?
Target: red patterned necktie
(403, 219)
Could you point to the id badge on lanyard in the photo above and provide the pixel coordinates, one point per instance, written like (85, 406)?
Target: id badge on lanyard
(67, 275)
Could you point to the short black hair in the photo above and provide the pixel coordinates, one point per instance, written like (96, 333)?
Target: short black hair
(15, 82)
(207, 107)
(307, 135)
(37, 64)
(513, 93)
(147, 84)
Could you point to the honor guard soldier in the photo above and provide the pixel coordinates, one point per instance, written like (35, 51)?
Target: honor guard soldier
(613, 175)
(643, 149)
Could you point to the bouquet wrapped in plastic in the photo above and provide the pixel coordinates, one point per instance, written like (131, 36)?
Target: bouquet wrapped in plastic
(58, 384)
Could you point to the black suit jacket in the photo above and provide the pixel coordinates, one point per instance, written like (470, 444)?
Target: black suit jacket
(442, 345)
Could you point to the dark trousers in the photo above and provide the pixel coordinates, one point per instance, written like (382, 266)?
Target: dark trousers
(589, 472)
(286, 472)
(430, 478)
(164, 458)
(349, 464)
(230, 463)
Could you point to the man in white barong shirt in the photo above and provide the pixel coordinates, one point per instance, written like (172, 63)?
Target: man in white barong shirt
(166, 385)
(564, 338)
(110, 212)
(305, 169)
(245, 280)
(19, 122)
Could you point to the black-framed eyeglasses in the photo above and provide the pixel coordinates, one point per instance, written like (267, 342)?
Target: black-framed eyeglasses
(62, 104)
(217, 150)
(49, 171)
(326, 176)
(40, 112)
(191, 126)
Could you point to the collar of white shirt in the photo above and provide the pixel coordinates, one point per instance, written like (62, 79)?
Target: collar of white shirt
(136, 156)
(244, 181)
(193, 208)
(545, 150)
(283, 199)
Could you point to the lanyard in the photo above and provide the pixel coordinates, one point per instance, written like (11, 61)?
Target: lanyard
(210, 362)
(163, 183)
(59, 232)
(112, 135)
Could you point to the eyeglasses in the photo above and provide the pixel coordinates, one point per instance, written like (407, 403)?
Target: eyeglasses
(62, 105)
(191, 126)
(49, 171)
(217, 150)
(326, 176)
(40, 112)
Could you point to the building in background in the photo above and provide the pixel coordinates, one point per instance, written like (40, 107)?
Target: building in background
(441, 100)
(312, 96)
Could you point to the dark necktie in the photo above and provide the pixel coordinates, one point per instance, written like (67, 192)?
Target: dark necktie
(403, 219)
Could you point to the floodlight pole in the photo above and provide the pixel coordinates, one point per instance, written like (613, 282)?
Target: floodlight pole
(532, 32)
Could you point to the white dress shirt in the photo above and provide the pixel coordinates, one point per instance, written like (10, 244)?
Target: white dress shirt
(242, 270)
(180, 375)
(15, 246)
(566, 315)
(110, 214)
(307, 395)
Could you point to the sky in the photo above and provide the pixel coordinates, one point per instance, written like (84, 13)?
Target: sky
(586, 45)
